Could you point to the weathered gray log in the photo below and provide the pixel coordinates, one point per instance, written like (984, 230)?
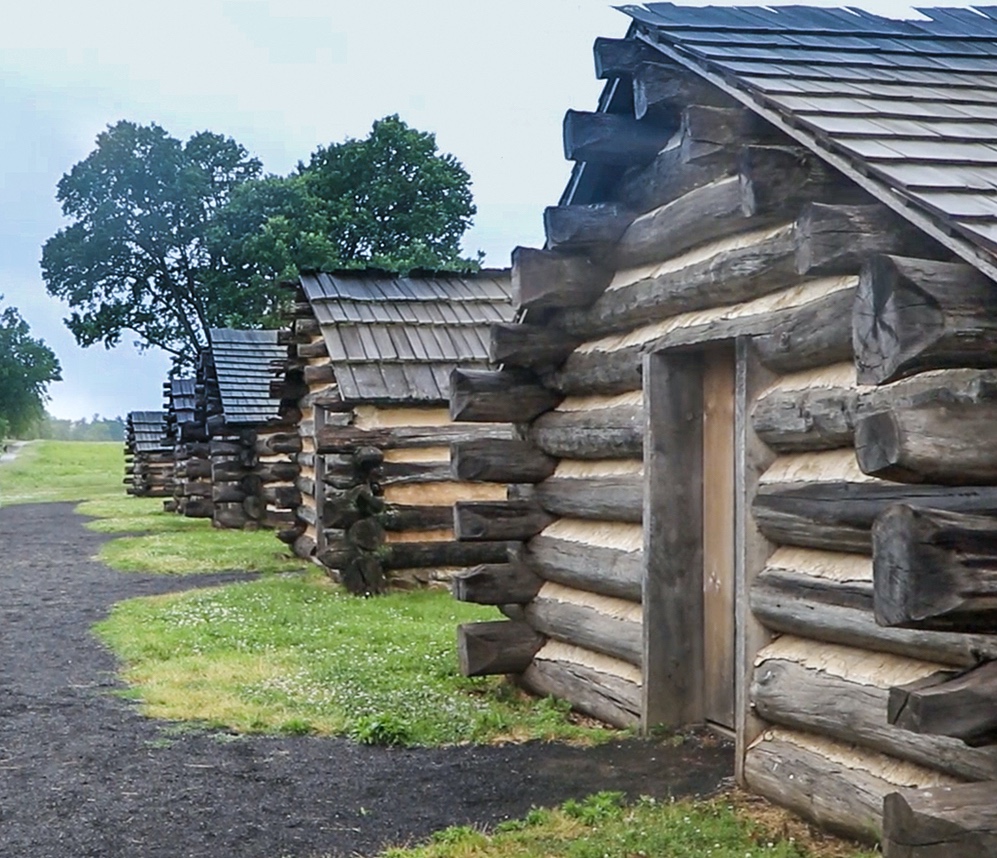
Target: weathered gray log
(608, 498)
(496, 584)
(304, 547)
(197, 489)
(408, 473)
(227, 493)
(421, 555)
(306, 485)
(841, 799)
(820, 609)
(488, 521)
(663, 90)
(498, 397)
(609, 697)
(940, 442)
(839, 516)
(935, 570)
(587, 626)
(941, 822)
(367, 533)
(603, 433)
(585, 227)
(346, 439)
(282, 497)
(825, 703)
(613, 139)
(227, 447)
(230, 515)
(913, 315)
(620, 57)
(198, 507)
(322, 373)
(496, 647)
(725, 124)
(839, 239)
(314, 349)
(364, 575)
(609, 571)
(962, 706)
(812, 334)
(278, 442)
(530, 345)
(399, 518)
(198, 469)
(278, 519)
(508, 461)
(729, 277)
(816, 418)
(548, 278)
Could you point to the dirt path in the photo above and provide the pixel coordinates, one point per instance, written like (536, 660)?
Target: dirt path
(9, 451)
(83, 774)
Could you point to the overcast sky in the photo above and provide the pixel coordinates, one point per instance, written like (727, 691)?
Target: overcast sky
(491, 79)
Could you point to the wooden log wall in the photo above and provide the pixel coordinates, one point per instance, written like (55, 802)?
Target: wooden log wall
(727, 235)
(149, 466)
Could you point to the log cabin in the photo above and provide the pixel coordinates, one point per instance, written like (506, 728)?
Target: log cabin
(179, 415)
(148, 456)
(367, 373)
(756, 359)
(250, 480)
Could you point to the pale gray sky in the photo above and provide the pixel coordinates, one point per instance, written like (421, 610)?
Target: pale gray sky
(491, 79)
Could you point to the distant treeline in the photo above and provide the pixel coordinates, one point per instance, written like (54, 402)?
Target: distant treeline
(96, 429)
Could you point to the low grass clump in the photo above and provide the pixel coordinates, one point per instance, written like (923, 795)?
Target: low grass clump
(295, 654)
(48, 471)
(127, 514)
(603, 826)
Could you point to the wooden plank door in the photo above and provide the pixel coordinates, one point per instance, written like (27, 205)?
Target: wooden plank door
(718, 537)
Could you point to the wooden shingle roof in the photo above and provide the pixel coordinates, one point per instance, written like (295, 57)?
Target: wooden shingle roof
(907, 109)
(397, 339)
(243, 361)
(145, 431)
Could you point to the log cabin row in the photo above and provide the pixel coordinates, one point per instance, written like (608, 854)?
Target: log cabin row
(368, 366)
(148, 456)
(251, 446)
(179, 418)
(754, 374)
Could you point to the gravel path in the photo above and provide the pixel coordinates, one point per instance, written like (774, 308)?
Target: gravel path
(83, 774)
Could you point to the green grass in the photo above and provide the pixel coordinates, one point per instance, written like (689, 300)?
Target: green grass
(127, 514)
(47, 471)
(295, 654)
(601, 826)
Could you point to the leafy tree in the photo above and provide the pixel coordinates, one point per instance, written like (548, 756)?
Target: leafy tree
(136, 256)
(391, 201)
(27, 366)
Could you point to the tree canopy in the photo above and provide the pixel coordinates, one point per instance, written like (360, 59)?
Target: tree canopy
(27, 367)
(169, 239)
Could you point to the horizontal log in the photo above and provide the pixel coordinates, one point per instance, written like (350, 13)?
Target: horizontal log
(322, 373)
(227, 493)
(935, 570)
(411, 473)
(313, 349)
(613, 139)
(422, 555)
(807, 775)
(198, 507)
(485, 521)
(198, 469)
(497, 397)
(938, 442)
(530, 345)
(793, 694)
(399, 518)
(496, 584)
(620, 57)
(609, 571)
(549, 278)
(962, 706)
(839, 515)
(230, 515)
(821, 609)
(665, 91)
(598, 623)
(809, 419)
(605, 498)
(277, 443)
(197, 489)
(940, 822)
(602, 433)
(499, 461)
(599, 686)
(913, 315)
(729, 276)
(840, 239)
(585, 227)
(347, 439)
(282, 497)
(496, 647)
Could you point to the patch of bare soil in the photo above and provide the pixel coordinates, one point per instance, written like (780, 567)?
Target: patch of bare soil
(83, 774)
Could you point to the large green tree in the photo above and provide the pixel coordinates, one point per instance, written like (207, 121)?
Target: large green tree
(27, 367)
(136, 255)
(391, 200)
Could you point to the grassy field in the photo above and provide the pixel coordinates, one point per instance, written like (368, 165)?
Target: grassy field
(295, 654)
(46, 471)
(602, 826)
